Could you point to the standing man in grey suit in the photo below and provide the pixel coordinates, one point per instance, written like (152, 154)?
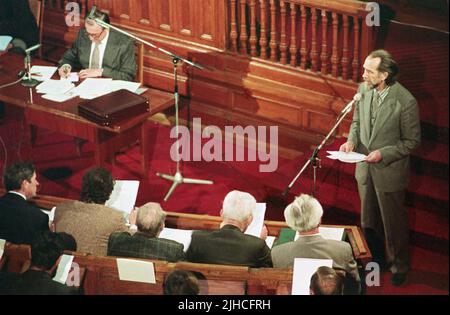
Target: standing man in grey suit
(385, 127)
(100, 52)
(304, 215)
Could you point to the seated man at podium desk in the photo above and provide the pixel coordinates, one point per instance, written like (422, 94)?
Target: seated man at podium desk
(100, 52)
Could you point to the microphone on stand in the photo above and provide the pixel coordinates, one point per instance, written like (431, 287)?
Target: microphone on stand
(91, 14)
(348, 107)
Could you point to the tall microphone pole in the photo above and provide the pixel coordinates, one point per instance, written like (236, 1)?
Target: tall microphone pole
(178, 178)
(314, 160)
(29, 81)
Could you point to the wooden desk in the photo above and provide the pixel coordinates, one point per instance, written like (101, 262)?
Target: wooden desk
(64, 118)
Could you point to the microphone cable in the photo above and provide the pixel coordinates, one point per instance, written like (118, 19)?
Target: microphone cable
(21, 74)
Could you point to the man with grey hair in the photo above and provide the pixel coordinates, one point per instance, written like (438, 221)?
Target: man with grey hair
(145, 243)
(229, 245)
(304, 215)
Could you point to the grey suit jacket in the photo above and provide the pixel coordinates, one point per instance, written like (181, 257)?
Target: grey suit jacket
(317, 247)
(396, 133)
(119, 61)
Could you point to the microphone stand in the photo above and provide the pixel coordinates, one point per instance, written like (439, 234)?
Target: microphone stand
(314, 160)
(29, 81)
(178, 178)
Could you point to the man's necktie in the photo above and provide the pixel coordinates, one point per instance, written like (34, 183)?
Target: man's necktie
(374, 108)
(95, 63)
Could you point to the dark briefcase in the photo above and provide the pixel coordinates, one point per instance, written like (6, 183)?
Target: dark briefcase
(114, 107)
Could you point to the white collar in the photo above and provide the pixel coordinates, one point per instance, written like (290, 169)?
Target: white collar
(18, 193)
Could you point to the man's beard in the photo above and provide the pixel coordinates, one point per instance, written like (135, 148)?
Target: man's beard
(371, 86)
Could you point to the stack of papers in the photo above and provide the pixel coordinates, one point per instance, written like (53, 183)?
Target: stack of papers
(94, 87)
(55, 87)
(178, 235)
(350, 157)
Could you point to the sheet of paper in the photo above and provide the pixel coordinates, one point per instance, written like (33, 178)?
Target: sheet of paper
(304, 268)
(93, 87)
(55, 87)
(350, 157)
(178, 235)
(42, 73)
(136, 270)
(4, 41)
(59, 98)
(270, 240)
(73, 77)
(329, 233)
(51, 213)
(2, 247)
(62, 272)
(123, 196)
(127, 85)
(256, 226)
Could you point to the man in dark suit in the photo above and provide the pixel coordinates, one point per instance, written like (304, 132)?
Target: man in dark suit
(229, 245)
(37, 280)
(19, 220)
(145, 243)
(100, 52)
(385, 127)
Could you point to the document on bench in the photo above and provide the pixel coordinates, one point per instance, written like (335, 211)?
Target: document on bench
(93, 87)
(136, 270)
(329, 233)
(55, 87)
(257, 224)
(62, 272)
(123, 196)
(178, 235)
(2, 247)
(304, 268)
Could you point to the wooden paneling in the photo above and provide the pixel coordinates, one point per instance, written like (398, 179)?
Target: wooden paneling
(240, 81)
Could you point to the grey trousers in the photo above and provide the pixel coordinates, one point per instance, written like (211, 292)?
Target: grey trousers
(384, 212)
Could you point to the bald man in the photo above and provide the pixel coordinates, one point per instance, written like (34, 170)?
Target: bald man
(145, 243)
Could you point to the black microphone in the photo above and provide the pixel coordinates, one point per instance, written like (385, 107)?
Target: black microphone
(21, 73)
(91, 14)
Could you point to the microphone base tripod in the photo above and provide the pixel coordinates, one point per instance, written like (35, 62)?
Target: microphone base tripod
(178, 179)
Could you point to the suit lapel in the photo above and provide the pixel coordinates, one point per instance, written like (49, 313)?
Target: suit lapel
(110, 50)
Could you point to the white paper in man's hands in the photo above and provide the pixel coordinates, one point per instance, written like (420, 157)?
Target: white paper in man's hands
(123, 196)
(329, 233)
(62, 272)
(350, 157)
(257, 224)
(51, 213)
(178, 235)
(304, 268)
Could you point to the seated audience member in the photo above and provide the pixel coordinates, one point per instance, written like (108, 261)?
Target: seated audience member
(20, 221)
(304, 215)
(89, 221)
(326, 281)
(37, 280)
(181, 282)
(17, 21)
(229, 245)
(99, 51)
(67, 241)
(145, 243)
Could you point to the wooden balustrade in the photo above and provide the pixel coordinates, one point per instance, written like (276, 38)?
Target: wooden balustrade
(329, 34)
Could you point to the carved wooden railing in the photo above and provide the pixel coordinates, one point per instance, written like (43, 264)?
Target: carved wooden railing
(330, 37)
